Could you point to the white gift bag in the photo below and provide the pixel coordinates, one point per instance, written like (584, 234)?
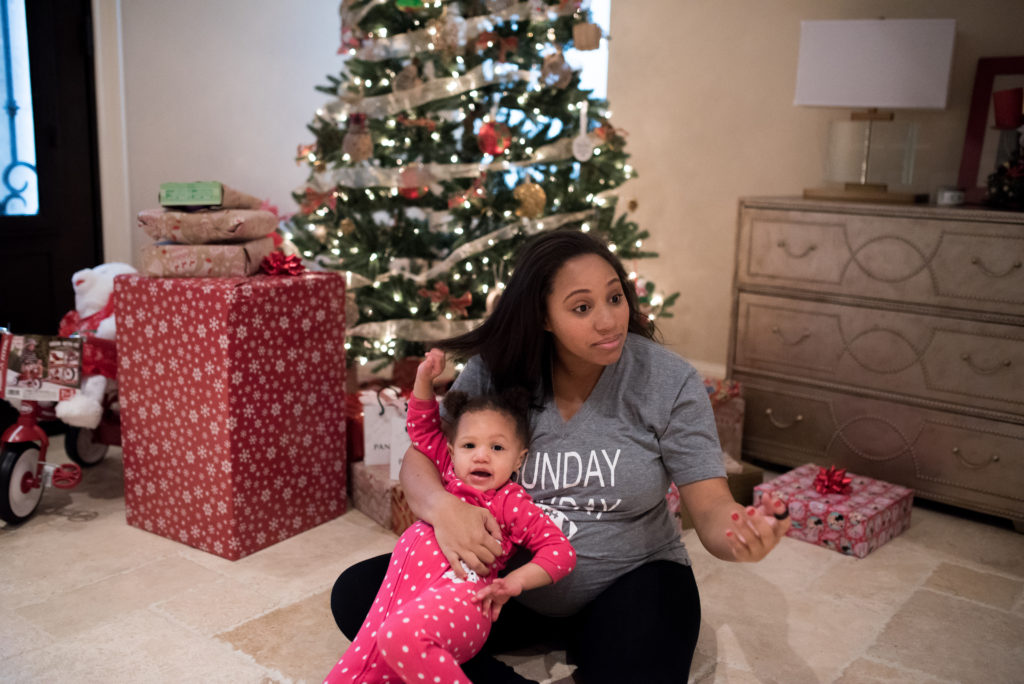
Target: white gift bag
(384, 435)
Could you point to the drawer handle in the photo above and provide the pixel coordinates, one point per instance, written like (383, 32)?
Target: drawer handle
(778, 332)
(782, 426)
(785, 246)
(966, 358)
(989, 272)
(975, 466)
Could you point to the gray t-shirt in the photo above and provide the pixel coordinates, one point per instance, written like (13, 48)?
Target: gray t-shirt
(603, 475)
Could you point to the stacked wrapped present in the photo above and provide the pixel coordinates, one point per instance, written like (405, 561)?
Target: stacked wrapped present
(206, 229)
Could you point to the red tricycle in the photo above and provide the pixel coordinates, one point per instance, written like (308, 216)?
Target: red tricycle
(24, 471)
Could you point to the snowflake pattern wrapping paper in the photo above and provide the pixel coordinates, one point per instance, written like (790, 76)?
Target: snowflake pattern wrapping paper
(232, 407)
(855, 523)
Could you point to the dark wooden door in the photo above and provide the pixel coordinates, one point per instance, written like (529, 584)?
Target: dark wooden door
(38, 254)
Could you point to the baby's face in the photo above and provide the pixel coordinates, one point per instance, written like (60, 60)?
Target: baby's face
(486, 450)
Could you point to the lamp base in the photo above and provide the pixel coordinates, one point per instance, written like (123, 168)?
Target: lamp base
(867, 192)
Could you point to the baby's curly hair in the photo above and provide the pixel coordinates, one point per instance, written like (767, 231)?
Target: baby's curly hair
(514, 403)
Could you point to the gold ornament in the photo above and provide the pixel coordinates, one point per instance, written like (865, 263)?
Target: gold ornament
(555, 72)
(586, 36)
(531, 198)
(444, 33)
(347, 226)
(320, 233)
(408, 78)
(357, 143)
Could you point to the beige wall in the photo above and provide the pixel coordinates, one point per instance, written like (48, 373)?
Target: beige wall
(705, 90)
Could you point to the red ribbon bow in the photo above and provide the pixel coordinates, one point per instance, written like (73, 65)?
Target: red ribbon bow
(429, 124)
(832, 481)
(313, 200)
(277, 264)
(442, 295)
(505, 45)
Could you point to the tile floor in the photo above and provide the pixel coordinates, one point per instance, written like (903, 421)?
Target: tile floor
(86, 598)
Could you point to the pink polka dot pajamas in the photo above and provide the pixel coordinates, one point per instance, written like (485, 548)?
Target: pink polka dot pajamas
(422, 624)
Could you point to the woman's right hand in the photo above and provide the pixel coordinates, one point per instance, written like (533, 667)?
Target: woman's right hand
(468, 533)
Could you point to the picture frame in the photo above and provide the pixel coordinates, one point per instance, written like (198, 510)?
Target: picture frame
(978, 159)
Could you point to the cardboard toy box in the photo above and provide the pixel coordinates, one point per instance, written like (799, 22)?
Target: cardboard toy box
(232, 396)
(867, 515)
(379, 497)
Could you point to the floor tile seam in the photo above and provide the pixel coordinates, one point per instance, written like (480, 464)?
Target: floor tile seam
(974, 602)
(171, 619)
(904, 668)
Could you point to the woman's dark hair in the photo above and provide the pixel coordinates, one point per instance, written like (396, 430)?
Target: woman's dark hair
(512, 342)
(514, 403)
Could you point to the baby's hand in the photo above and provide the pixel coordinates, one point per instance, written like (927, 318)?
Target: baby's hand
(496, 594)
(430, 367)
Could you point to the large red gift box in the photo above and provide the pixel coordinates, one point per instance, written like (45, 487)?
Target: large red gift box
(232, 396)
(868, 514)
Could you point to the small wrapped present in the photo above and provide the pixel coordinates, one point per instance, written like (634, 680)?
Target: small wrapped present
(168, 259)
(384, 432)
(201, 227)
(206, 195)
(845, 512)
(401, 515)
(371, 491)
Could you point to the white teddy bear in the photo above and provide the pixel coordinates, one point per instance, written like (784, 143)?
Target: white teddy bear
(93, 318)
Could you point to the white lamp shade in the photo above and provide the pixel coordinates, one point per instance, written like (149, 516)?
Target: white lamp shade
(883, 63)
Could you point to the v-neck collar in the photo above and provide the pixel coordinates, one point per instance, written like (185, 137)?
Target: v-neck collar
(586, 408)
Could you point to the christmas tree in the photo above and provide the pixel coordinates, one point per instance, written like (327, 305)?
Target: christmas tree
(456, 130)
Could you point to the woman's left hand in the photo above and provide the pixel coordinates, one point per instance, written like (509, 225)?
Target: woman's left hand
(757, 529)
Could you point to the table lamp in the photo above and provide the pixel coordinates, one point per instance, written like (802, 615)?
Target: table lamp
(873, 65)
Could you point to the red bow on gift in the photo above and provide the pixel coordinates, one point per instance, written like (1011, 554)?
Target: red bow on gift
(277, 263)
(832, 481)
(442, 295)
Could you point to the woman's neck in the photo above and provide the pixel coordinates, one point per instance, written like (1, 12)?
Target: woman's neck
(571, 385)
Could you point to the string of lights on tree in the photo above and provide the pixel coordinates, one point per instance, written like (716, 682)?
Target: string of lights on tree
(457, 129)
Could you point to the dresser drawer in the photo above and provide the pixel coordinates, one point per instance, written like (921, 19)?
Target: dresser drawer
(969, 264)
(952, 360)
(966, 461)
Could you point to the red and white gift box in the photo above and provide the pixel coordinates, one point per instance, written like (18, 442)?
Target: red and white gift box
(868, 514)
(232, 396)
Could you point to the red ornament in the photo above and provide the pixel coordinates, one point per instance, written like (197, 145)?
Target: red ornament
(832, 481)
(493, 138)
(277, 263)
(414, 182)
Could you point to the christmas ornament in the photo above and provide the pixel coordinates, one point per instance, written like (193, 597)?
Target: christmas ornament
(445, 33)
(492, 301)
(531, 198)
(586, 36)
(277, 264)
(555, 72)
(493, 138)
(357, 143)
(582, 148)
(347, 226)
(489, 39)
(408, 78)
(414, 182)
(832, 481)
(443, 296)
(423, 121)
(320, 233)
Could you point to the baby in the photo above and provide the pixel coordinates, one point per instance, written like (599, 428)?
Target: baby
(426, 620)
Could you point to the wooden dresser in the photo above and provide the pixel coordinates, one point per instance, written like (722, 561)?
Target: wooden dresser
(888, 340)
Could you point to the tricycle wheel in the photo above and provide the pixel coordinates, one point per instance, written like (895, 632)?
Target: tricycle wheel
(18, 482)
(82, 448)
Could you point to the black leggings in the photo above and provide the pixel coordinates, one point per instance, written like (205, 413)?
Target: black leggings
(643, 628)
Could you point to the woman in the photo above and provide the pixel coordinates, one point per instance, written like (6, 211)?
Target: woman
(618, 416)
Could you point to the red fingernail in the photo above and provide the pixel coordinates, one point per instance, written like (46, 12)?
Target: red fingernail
(728, 533)
(735, 516)
(751, 511)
